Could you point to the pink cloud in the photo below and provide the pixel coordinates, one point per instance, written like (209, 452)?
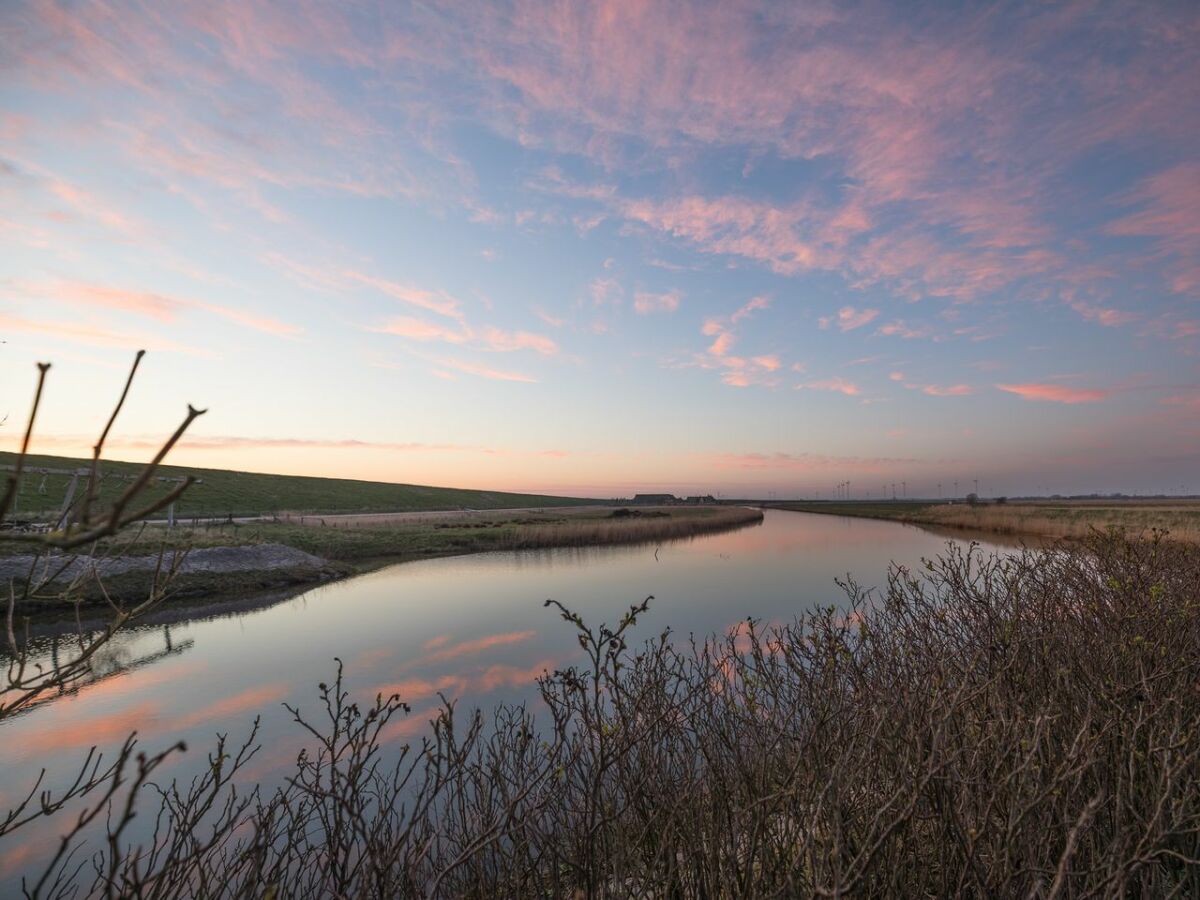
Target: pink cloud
(733, 226)
(901, 329)
(144, 303)
(470, 368)
(645, 303)
(506, 341)
(265, 324)
(1170, 214)
(1101, 315)
(1055, 393)
(552, 321)
(605, 292)
(849, 318)
(737, 378)
(936, 120)
(896, 376)
(89, 205)
(835, 385)
(422, 330)
(1190, 402)
(152, 305)
(1187, 328)
(720, 347)
(435, 301)
(806, 462)
(952, 390)
(753, 305)
(769, 362)
(97, 336)
(493, 339)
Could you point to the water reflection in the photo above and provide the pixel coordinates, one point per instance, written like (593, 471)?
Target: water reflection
(472, 628)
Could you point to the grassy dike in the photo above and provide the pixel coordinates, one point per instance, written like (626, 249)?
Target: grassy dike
(358, 544)
(223, 492)
(1044, 519)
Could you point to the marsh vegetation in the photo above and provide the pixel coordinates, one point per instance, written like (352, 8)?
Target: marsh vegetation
(988, 726)
(1052, 519)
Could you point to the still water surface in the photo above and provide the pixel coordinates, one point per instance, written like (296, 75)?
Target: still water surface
(471, 627)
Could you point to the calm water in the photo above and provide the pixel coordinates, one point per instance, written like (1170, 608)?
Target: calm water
(472, 627)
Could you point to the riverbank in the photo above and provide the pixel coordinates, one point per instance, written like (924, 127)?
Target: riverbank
(236, 559)
(1044, 519)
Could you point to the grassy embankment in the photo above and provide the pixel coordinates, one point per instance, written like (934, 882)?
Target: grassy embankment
(368, 541)
(351, 549)
(227, 493)
(1071, 519)
(356, 525)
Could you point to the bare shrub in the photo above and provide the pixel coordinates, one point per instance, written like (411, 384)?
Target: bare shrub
(66, 560)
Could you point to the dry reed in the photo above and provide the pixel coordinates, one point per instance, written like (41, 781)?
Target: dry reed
(1070, 521)
(633, 530)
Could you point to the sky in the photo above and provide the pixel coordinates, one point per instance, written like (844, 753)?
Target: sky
(598, 248)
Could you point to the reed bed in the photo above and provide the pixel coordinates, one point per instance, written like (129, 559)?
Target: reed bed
(674, 525)
(1070, 521)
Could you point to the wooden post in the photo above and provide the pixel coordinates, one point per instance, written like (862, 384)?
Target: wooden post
(66, 507)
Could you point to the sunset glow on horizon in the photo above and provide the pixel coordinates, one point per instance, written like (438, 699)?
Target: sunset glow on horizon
(603, 248)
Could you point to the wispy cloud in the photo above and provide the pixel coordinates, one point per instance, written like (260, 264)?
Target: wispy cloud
(1101, 315)
(753, 305)
(737, 371)
(645, 302)
(1055, 393)
(1170, 214)
(490, 338)
(422, 330)
(97, 336)
(471, 368)
(849, 318)
(162, 307)
(902, 329)
(438, 302)
(833, 385)
(947, 390)
(505, 341)
(807, 462)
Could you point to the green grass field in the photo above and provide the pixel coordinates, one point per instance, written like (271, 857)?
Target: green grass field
(226, 492)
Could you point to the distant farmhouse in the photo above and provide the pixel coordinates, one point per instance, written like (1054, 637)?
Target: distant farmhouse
(700, 499)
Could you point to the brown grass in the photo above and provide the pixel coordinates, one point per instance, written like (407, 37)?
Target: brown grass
(676, 524)
(1068, 520)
